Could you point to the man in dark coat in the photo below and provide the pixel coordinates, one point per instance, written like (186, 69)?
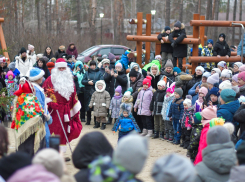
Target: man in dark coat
(60, 52)
(90, 147)
(180, 50)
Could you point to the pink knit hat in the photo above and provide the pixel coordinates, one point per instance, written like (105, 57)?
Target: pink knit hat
(242, 68)
(171, 88)
(203, 90)
(209, 112)
(9, 73)
(119, 65)
(242, 75)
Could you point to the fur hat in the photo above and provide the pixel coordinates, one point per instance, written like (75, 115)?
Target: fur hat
(200, 68)
(218, 135)
(62, 47)
(209, 112)
(39, 55)
(126, 107)
(162, 83)
(147, 81)
(187, 102)
(169, 64)
(217, 70)
(203, 90)
(214, 91)
(213, 79)
(179, 91)
(242, 68)
(104, 61)
(158, 57)
(226, 73)
(186, 77)
(228, 95)
(230, 127)
(225, 85)
(127, 94)
(222, 64)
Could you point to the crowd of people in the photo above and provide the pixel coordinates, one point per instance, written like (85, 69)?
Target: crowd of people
(203, 113)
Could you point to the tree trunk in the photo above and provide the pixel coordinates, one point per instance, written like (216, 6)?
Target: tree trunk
(167, 10)
(116, 23)
(57, 17)
(216, 17)
(199, 6)
(208, 13)
(38, 16)
(181, 11)
(78, 18)
(23, 14)
(234, 19)
(16, 17)
(93, 6)
(46, 15)
(227, 16)
(240, 19)
(214, 6)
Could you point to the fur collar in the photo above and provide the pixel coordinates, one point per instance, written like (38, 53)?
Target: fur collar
(100, 82)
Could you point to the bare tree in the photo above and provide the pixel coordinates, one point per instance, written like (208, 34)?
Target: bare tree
(167, 10)
(92, 16)
(240, 19)
(199, 6)
(181, 11)
(208, 13)
(78, 17)
(227, 15)
(216, 17)
(46, 15)
(234, 19)
(50, 15)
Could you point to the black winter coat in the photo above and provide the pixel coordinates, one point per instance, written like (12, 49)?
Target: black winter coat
(157, 101)
(154, 81)
(180, 50)
(193, 81)
(239, 117)
(136, 85)
(94, 75)
(221, 48)
(165, 47)
(170, 77)
(107, 81)
(59, 54)
(89, 148)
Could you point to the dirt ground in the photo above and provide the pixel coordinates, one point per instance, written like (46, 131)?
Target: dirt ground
(157, 149)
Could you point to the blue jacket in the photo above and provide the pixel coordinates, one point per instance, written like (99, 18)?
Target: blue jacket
(239, 48)
(193, 93)
(228, 110)
(16, 72)
(127, 124)
(176, 109)
(124, 60)
(41, 98)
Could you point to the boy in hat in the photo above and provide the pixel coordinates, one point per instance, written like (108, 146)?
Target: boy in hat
(214, 95)
(208, 51)
(221, 48)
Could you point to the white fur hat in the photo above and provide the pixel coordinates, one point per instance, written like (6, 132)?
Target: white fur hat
(230, 127)
(200, 68)
(187, 102)
(127, 94)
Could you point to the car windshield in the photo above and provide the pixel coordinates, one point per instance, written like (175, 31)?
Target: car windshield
(88, 51)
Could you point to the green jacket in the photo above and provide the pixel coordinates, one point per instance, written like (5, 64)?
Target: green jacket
(156, 62)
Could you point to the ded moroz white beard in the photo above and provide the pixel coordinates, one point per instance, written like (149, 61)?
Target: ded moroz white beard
(63, 82)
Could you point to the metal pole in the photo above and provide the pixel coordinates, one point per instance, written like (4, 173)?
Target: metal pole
(242, 38)
(101, 31)
(63, 129)
(153, 24)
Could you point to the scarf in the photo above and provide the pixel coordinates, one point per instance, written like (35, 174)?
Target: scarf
(118, 97)
(10, 81)
(204, 122)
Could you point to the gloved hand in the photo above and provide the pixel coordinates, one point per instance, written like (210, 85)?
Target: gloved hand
(173, 44)
(53, 105)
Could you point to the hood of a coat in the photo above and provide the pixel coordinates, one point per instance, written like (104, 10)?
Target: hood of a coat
(100, 82)
(220, 157)
(70, 46)
(90, 147)
(231, 106)
(79, 63)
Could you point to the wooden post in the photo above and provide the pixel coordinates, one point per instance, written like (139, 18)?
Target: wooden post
(195, 47)
(3, 43)
(139, 43)
(202, 31)
(148, 33)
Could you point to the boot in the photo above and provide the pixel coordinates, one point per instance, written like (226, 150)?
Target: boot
(97, 124)
(177, 142)
(161, 135)
(156, 134)
(88, 118)
(150, 132)
(103, 126)
(109, 120)
(182, 144)
(144, 132)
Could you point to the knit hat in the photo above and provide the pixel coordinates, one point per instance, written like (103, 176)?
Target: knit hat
(218, 135)
(60, 63)
(173, 168)
(197, 118)
(213, 79)
(126, 107)
(235, 78)
(203, 90)
(242, 68)
(177, 24)
(242, 75)
(209, 112)
(169, 64)
(161, 83)
(206, 74)
(210, 41)
(111, 56)
(118, 65)
(30, 47)
(222, 64)
(11, 163)
(176, 69)
(133, 73)
(179, 91)
(230, 127)
(11, 66)
(240, 153)
(226, 73)
(127, 94)
(200, 68)
(130, 89)
(187, 102)
(133, 65)
(53, 60)
(22, 50)
(217, 70)
(214, 91)
(225, 85)
(228, 95)
(104, 61)
(62, 47)
(51, 160)
(147, 81)
(119, 89)
(188, 97)
(35, 74)
(10, 73)
(171, 89)
(104, 56)
(92, 62)
(158, 57)
(222, 35)
(131, 152)
(239, 64)
(39, 55)
(167, 28)
(216, 122)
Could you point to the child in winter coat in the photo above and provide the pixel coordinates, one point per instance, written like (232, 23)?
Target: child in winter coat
(100, 101)
(186, 122)
(156, 108)
(221, 48)
(11, 83)
(168, 99)
(214, 95)
(127, 99)
(143, 105)
(155, 75)
(199, 102)
(195, 136)
(115, 103)
(126, 122)
(208, 51)
(166, 49)
(176, 114)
